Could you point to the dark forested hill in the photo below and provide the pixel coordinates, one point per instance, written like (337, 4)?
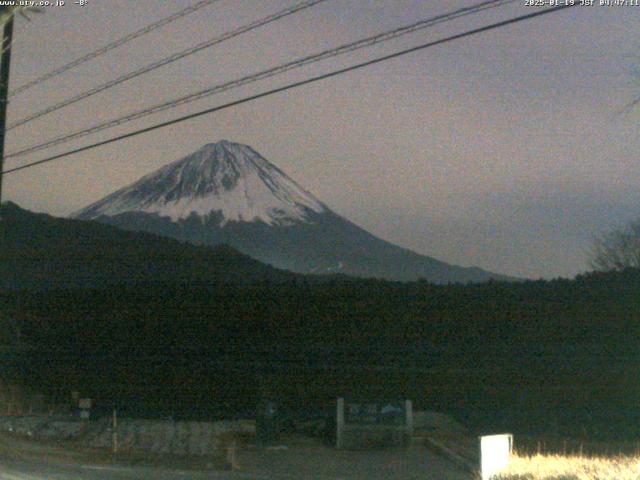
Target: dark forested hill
(40, 251)
(548, 356)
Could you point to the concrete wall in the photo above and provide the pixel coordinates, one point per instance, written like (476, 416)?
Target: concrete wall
(361, 438)
(158, 436)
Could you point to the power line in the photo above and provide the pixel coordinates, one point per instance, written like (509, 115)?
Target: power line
(333, 52)
(111, 46)
(291, 86)
(166, 61)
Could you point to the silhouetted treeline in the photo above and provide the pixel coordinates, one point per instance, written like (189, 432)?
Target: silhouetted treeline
(40, 252)
(555, 356)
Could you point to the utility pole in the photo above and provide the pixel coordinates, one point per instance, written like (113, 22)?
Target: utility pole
(114, 433)
(5, 62)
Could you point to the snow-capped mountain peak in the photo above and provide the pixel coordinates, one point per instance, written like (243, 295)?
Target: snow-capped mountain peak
(227, 193)
(226, 178)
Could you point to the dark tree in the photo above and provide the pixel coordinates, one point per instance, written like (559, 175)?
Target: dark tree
(617, 249)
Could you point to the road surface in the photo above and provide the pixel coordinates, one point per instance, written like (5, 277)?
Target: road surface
(24, 460)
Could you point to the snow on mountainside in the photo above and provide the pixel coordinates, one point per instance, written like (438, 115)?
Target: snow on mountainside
(225, 177)
(227, 193)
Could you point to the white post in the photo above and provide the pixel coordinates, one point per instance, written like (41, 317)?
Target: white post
(115, 431)
(408, 408)
(340, 423)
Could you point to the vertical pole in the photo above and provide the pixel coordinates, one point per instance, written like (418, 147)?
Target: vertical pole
(340, 423)
(408, 408)
(5, 62)
(115, 431)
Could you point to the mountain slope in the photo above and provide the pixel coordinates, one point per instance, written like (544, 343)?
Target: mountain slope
(40, 251)
(228, 193)
(226, 177)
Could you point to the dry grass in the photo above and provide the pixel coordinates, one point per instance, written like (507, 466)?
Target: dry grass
(558, 467)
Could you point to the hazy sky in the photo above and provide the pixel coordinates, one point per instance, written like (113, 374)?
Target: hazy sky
(506, 150)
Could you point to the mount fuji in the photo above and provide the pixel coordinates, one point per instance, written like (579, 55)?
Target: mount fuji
(228, 193)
